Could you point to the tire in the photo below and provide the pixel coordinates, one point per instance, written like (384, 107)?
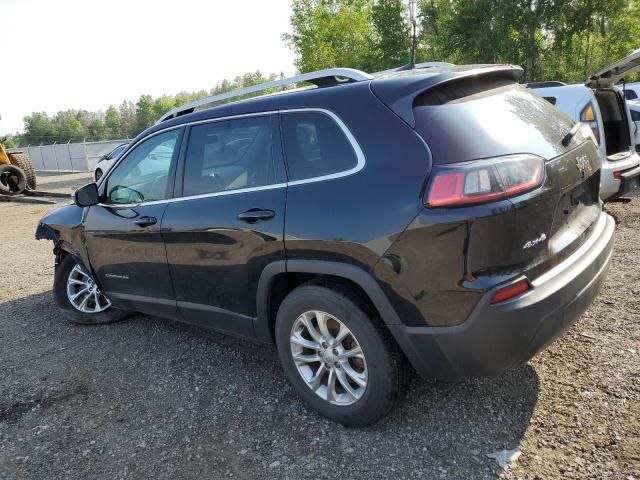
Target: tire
(97, 174)
(66, 269)
(21, 160)
(382, 366)
(13, 180)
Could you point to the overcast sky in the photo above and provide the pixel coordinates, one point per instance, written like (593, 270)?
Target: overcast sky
(88, 54)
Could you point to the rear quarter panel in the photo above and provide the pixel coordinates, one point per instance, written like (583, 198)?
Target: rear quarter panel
(355, 219)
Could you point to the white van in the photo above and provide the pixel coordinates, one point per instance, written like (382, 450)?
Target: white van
(634, 107)
(631, 91)
(601, 105)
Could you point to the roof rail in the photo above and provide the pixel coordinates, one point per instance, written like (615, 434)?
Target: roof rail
(414, 66)
(320, 78)
(552, 83)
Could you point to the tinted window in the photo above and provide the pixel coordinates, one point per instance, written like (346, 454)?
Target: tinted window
(630, 95)
(635, 115)
(482, 117)
(143, 175)
(315, 145)
(229, 155)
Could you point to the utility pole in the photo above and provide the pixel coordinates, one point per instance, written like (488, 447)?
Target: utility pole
(414, 39)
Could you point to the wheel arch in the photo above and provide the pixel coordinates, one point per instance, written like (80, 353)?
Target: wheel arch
(281, 277)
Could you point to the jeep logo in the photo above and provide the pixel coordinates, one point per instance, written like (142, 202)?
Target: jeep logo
(583, 164)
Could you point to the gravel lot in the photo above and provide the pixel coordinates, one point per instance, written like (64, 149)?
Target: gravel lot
(149, 398)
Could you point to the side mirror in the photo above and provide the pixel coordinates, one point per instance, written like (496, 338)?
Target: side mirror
(86, 195)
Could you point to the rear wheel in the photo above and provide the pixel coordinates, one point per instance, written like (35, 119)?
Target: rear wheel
(338, 356)
(77, 293)
(22, 161)
(13, 180)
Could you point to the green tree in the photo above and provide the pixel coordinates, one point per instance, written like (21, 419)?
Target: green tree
(332, 33)
(97, 130)
(112, 123)
(145, 113)
(392, 34)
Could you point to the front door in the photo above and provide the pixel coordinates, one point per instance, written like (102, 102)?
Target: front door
(122, 234)
(228, 224)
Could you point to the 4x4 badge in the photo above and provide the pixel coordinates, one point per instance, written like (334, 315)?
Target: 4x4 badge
(535, 241)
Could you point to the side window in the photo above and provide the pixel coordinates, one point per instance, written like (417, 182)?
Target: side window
(630, 95)
(635, 115)
(315, 145)
(143, 176)
(551, 100)
(588, 117)
(229, 155)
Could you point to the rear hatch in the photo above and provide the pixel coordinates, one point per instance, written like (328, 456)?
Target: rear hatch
(609, 76)
(476, 119)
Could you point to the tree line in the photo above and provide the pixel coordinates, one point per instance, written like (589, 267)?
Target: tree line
(563, 40)
(124, 121)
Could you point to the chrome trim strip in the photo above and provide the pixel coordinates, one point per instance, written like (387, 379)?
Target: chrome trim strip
(354, 144)
(194, 197)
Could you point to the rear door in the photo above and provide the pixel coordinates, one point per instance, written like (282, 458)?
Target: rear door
(122, 233)
(228, 223)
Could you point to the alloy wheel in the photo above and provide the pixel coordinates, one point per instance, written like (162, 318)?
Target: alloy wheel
(84, 294)
(329, 358)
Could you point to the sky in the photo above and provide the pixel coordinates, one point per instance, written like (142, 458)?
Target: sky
(73, 54)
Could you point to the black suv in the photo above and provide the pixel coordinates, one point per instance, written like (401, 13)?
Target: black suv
(441, 218)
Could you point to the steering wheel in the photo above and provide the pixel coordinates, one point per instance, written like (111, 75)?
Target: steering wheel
(133, 195)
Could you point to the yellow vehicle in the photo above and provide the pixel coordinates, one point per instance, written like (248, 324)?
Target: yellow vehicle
(16, 172)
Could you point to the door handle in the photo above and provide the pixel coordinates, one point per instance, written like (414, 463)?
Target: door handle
(145, 221)
(256, 215)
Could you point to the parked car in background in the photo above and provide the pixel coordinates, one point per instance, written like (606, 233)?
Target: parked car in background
(631, 90)
(444, 218)
(106, 161)
(601, 105)
(634, 107)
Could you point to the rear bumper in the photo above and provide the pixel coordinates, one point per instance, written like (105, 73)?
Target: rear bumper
(612, 188)
(629, 180)
(498, 337)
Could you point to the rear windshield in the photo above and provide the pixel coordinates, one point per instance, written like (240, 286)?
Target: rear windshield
(471, 119)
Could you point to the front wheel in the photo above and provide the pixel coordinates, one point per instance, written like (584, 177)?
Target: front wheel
(338, 356)
(77, 293)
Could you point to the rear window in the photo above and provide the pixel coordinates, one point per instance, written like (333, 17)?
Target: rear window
(471, 119)
(315, 145)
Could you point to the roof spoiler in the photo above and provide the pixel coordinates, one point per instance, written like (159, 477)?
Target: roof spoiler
(399, 92)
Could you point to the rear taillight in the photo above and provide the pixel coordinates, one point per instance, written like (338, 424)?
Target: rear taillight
(484, 180)
(588, 118)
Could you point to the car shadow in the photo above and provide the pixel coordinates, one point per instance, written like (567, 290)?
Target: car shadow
(145, 384)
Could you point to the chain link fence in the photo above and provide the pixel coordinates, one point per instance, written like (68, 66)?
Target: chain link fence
(69, 157)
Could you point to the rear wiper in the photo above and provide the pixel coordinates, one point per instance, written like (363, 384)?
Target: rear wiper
(572, 133)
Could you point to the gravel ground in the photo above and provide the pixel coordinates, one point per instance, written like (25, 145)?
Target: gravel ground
(149, 398)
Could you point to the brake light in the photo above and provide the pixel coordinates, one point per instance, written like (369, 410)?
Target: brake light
(485, 180)
(617, 175)
(510, 292)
